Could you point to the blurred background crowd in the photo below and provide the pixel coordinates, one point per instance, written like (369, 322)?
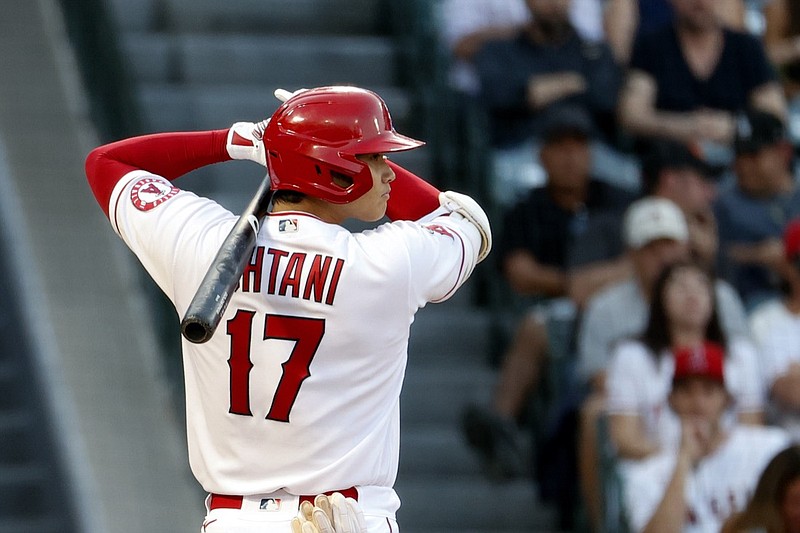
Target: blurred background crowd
(627, 359)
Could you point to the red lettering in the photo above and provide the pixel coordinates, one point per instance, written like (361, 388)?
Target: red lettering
(273, 271)
(317, 275)
(291, 277)
(253, 270)
(239, 362)
(337, 271)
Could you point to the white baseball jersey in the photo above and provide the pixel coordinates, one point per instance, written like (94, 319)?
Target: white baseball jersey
(299, 387)
(776, 330)
(639, 384)
(720, 485)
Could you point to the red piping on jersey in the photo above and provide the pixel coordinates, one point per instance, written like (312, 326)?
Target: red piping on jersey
(460, 270)
(170, 155)
(412, 197)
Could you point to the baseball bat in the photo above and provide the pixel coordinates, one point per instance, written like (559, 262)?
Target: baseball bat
(211, 299)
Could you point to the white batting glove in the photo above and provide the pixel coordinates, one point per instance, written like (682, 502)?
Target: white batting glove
(245, 141)
(283, 94)
(330, 514)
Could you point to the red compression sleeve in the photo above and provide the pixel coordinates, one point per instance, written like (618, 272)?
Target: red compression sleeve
(167, 154)
(412, 197)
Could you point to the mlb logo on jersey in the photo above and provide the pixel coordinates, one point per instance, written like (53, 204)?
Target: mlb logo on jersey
(148, 193)
(287, 225)
(270, 504)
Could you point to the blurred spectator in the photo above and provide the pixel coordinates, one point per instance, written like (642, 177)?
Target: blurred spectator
(713, 471)
(534, 249)
(687, 80)
(656, 235)
(775, 504)
(467, 24)
(782, 41)
(672, 170)
(776, 330)
(682, 315)
(626, 20)
(547, 65)
(753, 214)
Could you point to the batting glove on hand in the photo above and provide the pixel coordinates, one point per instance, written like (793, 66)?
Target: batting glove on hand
(245, 141)
(283, 94)
(330, 514)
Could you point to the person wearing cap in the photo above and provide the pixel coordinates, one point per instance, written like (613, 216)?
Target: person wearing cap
(534, 246)
(714, 469)
(656, 234)
(753, 214)
(682, 313)
(776, 330)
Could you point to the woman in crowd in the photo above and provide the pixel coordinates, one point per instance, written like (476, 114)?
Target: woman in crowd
(683, 316)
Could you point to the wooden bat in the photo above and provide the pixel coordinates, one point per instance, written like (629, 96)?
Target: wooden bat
(211, 299)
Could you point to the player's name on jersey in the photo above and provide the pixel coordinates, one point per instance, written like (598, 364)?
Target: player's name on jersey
(288, 276)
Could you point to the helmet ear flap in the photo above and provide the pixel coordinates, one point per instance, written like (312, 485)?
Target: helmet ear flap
(342, 181)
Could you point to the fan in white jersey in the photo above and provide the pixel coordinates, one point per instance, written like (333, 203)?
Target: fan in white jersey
(715, 468)
(297, 393)
(776, 329)
(683, 313)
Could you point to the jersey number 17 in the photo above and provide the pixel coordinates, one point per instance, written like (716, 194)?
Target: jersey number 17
(307, 334)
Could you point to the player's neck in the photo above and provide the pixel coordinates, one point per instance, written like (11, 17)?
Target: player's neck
(325, 211)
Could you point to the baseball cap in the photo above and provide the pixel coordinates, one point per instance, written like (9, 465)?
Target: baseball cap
(566, 121)
(705, 360)
(757, 129)
(652, 218)
(665, 154)
(791, 239)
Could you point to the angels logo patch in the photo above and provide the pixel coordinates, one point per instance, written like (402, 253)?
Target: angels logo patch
(438, 228)
(148, 193)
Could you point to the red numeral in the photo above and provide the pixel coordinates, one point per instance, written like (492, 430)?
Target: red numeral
(305, 332)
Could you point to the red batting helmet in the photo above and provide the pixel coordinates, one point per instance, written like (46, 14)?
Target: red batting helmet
(317, 134)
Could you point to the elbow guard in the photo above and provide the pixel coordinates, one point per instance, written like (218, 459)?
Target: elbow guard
(463, 205)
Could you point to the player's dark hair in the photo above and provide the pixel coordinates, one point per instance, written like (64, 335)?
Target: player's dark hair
(657, 335)
(288, 197)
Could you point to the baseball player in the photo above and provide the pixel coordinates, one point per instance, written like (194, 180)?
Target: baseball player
(297, 392)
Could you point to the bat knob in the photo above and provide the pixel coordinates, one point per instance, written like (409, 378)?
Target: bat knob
(195, 330)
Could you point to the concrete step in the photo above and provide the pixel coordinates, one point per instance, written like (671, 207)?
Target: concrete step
(35, 524)
(18, 446)
(470, 503)
(266, 16)
(438, 394)
(450, 333)
(435, 448)
(261, 59)
(170, 107)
